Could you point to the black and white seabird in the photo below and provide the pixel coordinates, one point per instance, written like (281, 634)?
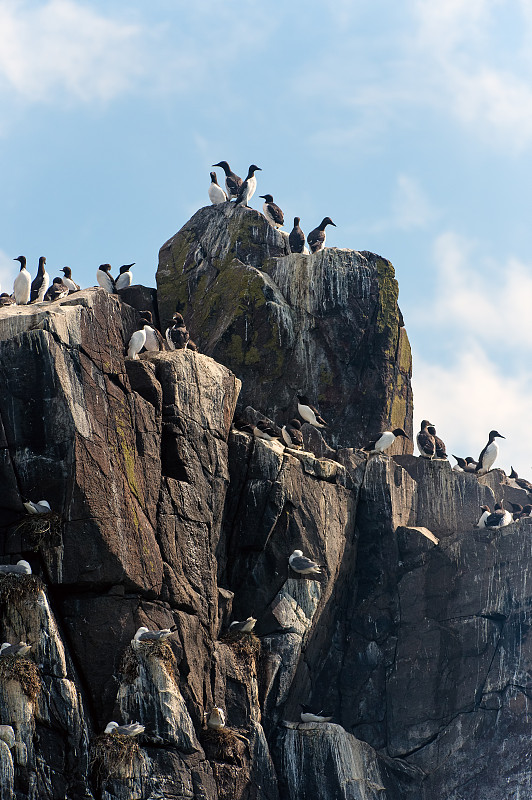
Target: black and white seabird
(41, 282)
(154, 341)
(522, 482)
(291, 433)
(216, 193)
(22, 283)
(57, 290)
(133, 729)
(439, 446)
(216, 718)
(385, 440)
(460, 465)
(42, 507)
(296, 240)
(316, 238)
(263, 430)
(241, 425)
(244, 627)
(6, 300)
(303, 565)
(137, 341)
(20, 568)
(271, 211)
(486, 511)
(18, 650)
(425, 440)
(499, 519)
(105, 279)
(125, 278)
(177, 334)
(145, 635)
(232, 181)
(527, 511)
(517, 511)
(67, 280)
(309, 413)
(247, 190)
(307, 715)
(471, 464)
(489, 454)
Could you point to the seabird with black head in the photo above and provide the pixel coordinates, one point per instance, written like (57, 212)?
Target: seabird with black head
(247, 190)
(271, 211)
(232, 182)
(316, 238)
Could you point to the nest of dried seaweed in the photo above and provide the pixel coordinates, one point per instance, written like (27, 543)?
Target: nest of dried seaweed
(41, 529)
(15, 587)
(113, 754)
(161, 650)
(245, 645)
(223, 745)
(22, 670)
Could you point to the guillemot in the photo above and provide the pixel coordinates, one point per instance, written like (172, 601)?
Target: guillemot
(41, 282)
(6, 300)
(439, 446)
(309, 413)
(137, 341)
(125, 278)
(216, 193)
(67, 280)
(271, 211)
(105, 279)
(57, 290)
(22, 283)
(291, 433)
(425, 440)
(522, 482)
(177, 334)
(489, 454)
(296, 239)
(486, 511)
(499, 519)
(460, 465)
(316, 238)
(384, 440)
(247, 190)
(232, 181)
(263, 430)
(303, 565)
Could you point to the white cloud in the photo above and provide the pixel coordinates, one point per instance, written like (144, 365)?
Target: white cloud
(410, 207)
(8, 271)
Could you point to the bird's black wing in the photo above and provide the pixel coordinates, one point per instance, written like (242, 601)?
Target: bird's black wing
(233, 183)
(315, 238)
(426, 443)
(296, 240)
(275, 213)
(481, 456)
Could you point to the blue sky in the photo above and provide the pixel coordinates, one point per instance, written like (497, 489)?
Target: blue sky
(410, 124)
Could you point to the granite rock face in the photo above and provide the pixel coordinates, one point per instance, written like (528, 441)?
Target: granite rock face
(326, 324)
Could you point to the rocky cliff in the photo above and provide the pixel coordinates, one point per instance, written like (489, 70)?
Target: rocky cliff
(415, 635)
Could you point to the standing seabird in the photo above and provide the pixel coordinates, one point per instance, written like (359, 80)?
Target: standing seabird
(133, 729)
(271, 211)
(19, 650)
(486, 511)
(303, 565)
(522, 482)
(137, 341)
(41, 282)
(216, 193)
(500, 517)
(247, 190)
(20, 568)
(125, 278)
(67, 280)
(385, 440)
(309, 413)
(105, 279)
(291, 433)
(57, 290)
(307, 715)
(296, 240)
(22, 284)
(517, 511)
(425, 440)
(154, 341)
(439, 446)
(489, 454)
(232, 181)
(216, 719)
(316, 238)
(460, 465)
(244, 627)
(177, 334)
(263, 430)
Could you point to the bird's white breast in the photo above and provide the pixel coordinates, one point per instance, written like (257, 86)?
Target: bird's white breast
(385, 441)
(216, 194)
(492, 451)
(152, 341)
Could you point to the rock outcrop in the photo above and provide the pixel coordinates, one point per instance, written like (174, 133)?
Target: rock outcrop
(415, 635)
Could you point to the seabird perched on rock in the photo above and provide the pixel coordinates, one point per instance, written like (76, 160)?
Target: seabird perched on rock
(303, 565)
(471, 464)
(232, 181)
(307, 715)
(316, 238)
(177, 334)
(384, 440)
(271, 211)
(41, 282)
(22, 283)
(522, 482)
(216, 719)
(499, 519)
(439, 446)
(6, 300)
(425, 440)
(527, 511)
(241, 425)
(291, 433)
(145, 635)
(460, 465)
(133, 729)
(137, 341)
(296, 240)
(263, 430)
(486, 511)
(57, 290)
(154, 341)
(105, 279)
(216, 193)
(517, 511)
(20, 649)
(67, 280)
(247, 190)
(42, 507)
(125, 278)
(309, 413)
(20, 568)
(489, 454)
(244, 627)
